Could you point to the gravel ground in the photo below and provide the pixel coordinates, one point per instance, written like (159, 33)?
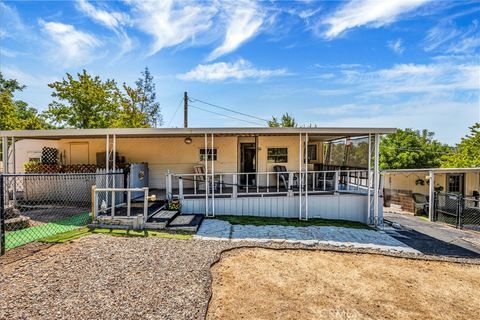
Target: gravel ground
(100, 276)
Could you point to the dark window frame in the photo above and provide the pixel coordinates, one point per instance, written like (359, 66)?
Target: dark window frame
(209, 153)
(277, 156)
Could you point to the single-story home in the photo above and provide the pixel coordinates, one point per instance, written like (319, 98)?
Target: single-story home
(278, 172)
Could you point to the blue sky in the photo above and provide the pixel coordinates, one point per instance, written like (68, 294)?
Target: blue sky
(409, 63)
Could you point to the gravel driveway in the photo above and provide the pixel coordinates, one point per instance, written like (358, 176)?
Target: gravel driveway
(104, 277)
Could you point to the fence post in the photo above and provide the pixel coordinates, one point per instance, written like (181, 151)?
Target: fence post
(234, 182)
(460, 209)
(2, 217)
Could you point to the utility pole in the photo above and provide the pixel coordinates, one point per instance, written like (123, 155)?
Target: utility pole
(185, 110)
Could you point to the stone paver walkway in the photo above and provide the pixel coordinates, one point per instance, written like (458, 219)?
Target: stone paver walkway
(213, 229)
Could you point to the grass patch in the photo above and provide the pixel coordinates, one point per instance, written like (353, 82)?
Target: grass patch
(264, 221)
(75, 234)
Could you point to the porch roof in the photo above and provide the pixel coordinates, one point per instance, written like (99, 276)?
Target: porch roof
(320, 133)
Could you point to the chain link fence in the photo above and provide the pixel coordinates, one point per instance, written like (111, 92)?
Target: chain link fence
(456, 210)
(35, 206)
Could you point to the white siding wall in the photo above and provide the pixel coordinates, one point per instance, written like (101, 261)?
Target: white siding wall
(341, 206)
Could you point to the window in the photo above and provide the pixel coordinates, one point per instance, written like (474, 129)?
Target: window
(312, 152)
(455, 183)
(277, 155)
(209, 153)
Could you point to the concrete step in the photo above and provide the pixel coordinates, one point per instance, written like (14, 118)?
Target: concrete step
(161, 219)
(186, 222)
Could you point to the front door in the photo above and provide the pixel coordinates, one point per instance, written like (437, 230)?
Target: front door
(248, 162)
(455, 183)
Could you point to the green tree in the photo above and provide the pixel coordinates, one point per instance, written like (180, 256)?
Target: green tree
(16, 114)
(409, 149)
(147, 99)
(88, 102)
(466, 154)
(285, 121)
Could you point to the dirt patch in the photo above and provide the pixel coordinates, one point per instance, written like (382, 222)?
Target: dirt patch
(293, 284)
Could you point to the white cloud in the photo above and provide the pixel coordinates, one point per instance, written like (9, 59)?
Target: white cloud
(220, 71)
(72, 46)
(371, 13)
(244, 21)
(170, 24)
(11, 23)
(435, 78)
(396, 46)
(111, 20)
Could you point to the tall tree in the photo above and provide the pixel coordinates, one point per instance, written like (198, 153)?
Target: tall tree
(147, 99)
(88, 102)
(409, 149)
(285, 121)
(466, 154)
(16, 114)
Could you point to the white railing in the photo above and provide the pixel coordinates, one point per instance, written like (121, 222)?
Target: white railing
(235, 184)
(112, 204)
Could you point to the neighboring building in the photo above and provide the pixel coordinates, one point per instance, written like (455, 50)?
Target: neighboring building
(399, 185)
(250, 171)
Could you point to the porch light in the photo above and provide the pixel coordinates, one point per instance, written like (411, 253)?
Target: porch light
(188, 140)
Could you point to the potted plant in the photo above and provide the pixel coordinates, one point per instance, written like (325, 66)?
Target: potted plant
(174, 205)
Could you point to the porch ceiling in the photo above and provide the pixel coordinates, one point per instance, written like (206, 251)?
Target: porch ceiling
(317, 133)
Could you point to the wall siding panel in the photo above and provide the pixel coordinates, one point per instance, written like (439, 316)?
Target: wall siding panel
(342, 206)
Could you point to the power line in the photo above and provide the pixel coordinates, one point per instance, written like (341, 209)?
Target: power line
(175, 113)
(223, 115)
(230, 110)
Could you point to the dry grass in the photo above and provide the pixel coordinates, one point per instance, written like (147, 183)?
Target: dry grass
(290, 284)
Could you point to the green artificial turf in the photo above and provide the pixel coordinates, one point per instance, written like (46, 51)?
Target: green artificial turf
(74, 234)
(18, 238)
(264, 221)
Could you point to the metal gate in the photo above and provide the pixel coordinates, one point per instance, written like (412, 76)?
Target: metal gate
(456, 210)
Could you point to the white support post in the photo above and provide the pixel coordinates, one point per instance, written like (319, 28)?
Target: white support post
(107, 166)
(369, 180)
(180, 188)
(431, 194)
(336, 176)
(129, 200)
(234, 180)
(14, 158)
(377, 218)
(169, 188)
(206, 174)
(5, 154)
(213, 177)
(113, 175)
(145, 206)
(306, 176)
(300, 180)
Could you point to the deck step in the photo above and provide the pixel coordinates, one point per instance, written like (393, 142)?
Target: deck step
(161, 219)
(186, 222)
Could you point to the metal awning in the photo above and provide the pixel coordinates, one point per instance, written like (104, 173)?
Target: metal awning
(325, 133)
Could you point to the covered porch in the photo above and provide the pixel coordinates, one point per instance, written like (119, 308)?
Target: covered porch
(285, 172)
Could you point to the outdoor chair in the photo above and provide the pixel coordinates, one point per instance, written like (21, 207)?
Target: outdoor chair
(283, 176)
(329, 180)
(420, 203)
(200, 178)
